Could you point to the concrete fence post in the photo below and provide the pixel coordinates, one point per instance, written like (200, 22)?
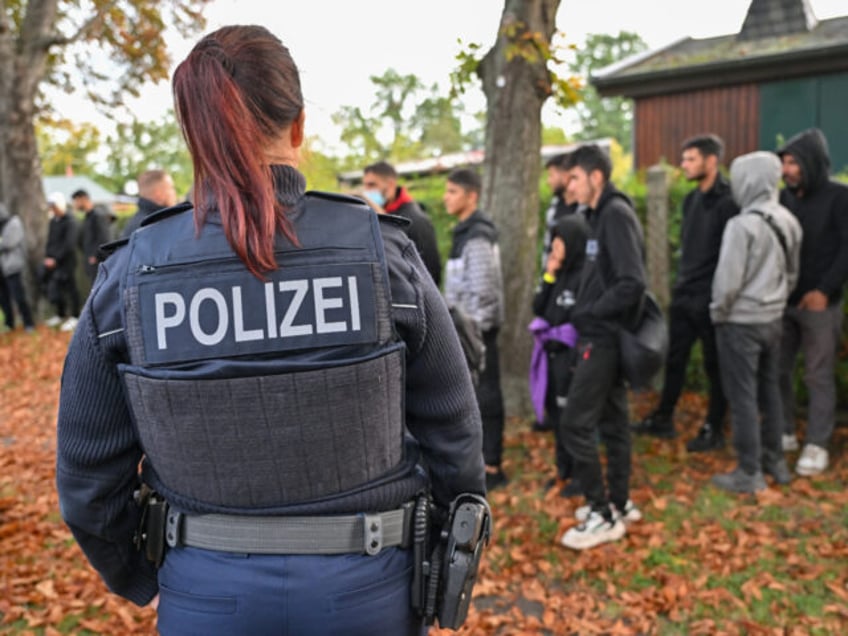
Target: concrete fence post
(656, 241)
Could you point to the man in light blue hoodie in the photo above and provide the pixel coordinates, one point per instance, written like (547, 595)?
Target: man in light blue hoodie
(757, 269)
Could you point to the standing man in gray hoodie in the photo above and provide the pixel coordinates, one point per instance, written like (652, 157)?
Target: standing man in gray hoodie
(757, 269)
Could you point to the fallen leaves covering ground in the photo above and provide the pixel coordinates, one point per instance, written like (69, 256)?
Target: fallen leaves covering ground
(701, 561)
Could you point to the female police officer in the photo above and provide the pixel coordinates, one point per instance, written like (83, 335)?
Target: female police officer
(281, 365)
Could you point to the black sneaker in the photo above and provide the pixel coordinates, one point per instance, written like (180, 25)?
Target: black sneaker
(571, 489)
(738, 480)
(778, 470)
(657, 425)
(496, 480)
(543, 426)
(708, 439)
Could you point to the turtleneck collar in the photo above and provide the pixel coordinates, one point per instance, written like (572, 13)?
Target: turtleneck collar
(290, 184)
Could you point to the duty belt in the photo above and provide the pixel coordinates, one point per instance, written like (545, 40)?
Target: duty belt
(339, 534)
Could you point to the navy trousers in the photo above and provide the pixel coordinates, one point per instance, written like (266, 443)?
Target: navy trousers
(206, 593)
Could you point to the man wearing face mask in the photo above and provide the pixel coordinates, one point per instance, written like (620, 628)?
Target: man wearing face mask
(380, 185)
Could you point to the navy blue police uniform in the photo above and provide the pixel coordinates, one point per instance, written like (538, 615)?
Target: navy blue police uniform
(284, 420)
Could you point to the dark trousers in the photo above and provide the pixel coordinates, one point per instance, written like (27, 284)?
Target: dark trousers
(16, 291)
(62, 291)
(685, 326)
(749, 363)
(597, 401)
(490, 401)
(220, 593)
(6, 304)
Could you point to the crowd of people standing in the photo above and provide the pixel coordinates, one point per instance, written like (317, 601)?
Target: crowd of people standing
(76, 232)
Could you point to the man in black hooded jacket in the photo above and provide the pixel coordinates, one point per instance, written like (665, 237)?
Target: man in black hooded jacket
(812, 322)
(610, 291)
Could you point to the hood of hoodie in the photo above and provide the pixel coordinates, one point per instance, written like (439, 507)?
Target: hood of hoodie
(809, 148)
(754, 178)
(478, 225)
(573, 231)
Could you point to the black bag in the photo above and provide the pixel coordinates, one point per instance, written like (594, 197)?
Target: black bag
(644, 346)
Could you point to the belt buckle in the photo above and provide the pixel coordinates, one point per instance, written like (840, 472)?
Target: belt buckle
(173, 528)
(373, 534)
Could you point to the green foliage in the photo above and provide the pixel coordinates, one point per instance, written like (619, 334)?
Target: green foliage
(64, 146)
(521, 44)
(319, 169)
(406, 121)
(608, 116)
(141, 145)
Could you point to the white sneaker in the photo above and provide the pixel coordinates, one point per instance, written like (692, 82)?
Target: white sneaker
(790, 443)
(630, 514)
(55, 321)
(813, 460)
(69, 325)
(594, 531)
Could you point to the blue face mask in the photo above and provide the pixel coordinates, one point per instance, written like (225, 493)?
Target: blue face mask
(376, 197)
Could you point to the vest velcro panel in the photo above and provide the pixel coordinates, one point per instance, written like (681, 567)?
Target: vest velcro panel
(272, 440)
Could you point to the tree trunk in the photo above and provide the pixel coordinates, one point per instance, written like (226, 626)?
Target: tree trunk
(22, 68)
(515, 90)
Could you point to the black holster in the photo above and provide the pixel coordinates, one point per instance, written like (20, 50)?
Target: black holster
(445, 576)
(150, 535)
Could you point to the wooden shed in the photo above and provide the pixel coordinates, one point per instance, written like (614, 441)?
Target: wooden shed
(783, 72)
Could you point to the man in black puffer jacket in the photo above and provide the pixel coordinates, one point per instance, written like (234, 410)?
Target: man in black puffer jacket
(813, 319)
(610, 291)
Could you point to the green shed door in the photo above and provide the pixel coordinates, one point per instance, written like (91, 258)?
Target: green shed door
(788, 107)
(785, 109)
(833, 118)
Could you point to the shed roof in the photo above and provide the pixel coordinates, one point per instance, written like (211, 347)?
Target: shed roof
(779, 39)
(68, 185)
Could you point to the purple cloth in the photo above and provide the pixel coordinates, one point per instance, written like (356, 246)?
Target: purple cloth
(542, 332)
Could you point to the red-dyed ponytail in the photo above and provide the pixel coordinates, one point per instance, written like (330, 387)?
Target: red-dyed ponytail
(235, 93)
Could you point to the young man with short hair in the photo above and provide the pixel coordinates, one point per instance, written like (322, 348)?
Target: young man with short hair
(474, 284)
(706, 210)
(156, 192)
(95, 230)
(611, 288)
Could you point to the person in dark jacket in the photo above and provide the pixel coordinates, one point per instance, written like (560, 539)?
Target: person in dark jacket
(812, 323)
(60, 264)
(380, 184)
(283, 368)
(555, 337)
(155, 192)
(474, 283)
(96, 230)
(706, 210)
(609, 295)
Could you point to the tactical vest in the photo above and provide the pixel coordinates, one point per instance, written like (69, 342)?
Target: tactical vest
(255, 393)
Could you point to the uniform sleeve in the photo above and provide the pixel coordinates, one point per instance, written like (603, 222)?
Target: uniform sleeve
(97, 460)
(441, 408)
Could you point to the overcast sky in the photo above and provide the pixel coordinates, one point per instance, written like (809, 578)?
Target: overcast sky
(338, 44)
